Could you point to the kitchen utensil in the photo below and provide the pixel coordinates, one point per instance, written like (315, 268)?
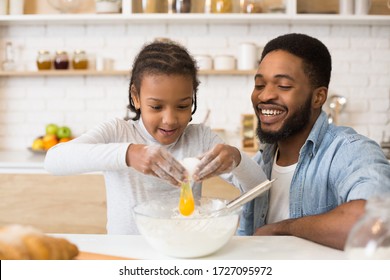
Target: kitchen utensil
(224, 62)
(172, 234)
(242, 199)
(247, 57)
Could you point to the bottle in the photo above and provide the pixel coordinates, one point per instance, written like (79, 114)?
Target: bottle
(61, 60)
(9, 62)
(44, 60)
(183, 6)
(370, 236)
(80, 60)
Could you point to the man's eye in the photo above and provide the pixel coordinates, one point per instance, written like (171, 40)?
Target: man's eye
(259, 87)
(285, 87)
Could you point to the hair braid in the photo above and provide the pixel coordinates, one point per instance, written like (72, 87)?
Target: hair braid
(162, 58)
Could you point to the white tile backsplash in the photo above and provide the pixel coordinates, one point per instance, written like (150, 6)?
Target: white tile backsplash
(361, 72)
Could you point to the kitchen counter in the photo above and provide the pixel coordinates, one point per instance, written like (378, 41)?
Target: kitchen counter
(238, 248)
(19, 161)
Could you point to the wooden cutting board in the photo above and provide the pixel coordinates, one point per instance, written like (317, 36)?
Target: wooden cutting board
(95, 256)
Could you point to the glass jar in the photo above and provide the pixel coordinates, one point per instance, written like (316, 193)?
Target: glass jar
(219, 6)
(251, 6)
(370, 236)
(182, 6)
(61, 60)
(44, 60)
(80, 60)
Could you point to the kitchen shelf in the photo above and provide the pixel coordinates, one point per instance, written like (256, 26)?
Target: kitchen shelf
(43, 73)
(70, 19)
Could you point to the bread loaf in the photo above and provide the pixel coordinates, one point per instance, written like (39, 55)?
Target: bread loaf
(19, 242)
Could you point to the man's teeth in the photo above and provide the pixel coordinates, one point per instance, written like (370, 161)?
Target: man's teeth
(271, 112)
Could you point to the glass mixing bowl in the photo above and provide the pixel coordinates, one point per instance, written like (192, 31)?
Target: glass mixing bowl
(185, 237)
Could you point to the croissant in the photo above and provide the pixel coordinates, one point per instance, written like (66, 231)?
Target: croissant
(19, 242)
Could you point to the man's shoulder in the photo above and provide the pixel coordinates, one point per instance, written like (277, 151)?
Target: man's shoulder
(345, 134)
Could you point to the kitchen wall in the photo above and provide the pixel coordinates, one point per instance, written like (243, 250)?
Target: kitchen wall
(361, 73)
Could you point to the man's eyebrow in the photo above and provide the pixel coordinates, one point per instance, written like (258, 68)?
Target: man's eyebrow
(278, 76)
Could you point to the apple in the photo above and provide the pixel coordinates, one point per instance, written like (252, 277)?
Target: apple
(51, 129)
(64, 132)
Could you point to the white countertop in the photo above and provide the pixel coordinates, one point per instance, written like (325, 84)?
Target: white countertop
(21, 161)
(238, 248)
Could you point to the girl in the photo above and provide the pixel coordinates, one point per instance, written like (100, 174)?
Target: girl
(140, 157)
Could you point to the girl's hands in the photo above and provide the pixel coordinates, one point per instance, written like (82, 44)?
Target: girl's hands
(221, 159)
(156, 161)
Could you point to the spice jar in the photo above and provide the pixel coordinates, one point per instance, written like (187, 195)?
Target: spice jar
(80, 60)
(61, 60)
(370, 236)
(44, 60)
(219, 6)
(183, 6)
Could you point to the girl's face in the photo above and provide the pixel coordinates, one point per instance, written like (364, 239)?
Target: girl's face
(165, 102)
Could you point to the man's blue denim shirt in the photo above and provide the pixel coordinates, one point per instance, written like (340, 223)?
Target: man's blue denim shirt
(335, 165)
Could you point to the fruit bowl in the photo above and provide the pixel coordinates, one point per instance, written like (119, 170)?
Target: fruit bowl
(185, 237)
(37, 152)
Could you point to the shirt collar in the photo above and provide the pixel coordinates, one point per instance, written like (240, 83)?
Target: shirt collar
(317, 133)
(314, 139)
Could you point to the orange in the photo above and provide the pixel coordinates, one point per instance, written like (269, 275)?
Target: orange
(66, 139)
(49, 141)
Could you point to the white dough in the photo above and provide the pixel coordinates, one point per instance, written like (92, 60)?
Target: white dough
(190, 164)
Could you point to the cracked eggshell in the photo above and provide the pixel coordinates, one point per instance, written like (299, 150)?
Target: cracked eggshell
(190, 164)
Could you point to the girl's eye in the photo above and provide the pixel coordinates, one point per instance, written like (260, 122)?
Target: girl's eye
(183, 107)
(155, 107)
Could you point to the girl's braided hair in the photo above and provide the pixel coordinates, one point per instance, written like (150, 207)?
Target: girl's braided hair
(162, 58)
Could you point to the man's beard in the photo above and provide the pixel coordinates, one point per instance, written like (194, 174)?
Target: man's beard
(293, 125)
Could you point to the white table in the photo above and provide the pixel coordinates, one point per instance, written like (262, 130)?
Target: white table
(238, 248)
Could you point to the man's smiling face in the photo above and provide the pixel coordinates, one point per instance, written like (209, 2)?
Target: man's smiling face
(282, 96)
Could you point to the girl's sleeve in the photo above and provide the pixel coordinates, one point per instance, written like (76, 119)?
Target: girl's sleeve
(96, 150)
(247, 174)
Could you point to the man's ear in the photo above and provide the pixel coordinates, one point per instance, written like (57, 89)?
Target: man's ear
(135, 97)
(319, 97)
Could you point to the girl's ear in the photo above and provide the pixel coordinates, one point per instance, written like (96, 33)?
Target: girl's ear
(319, 97)
(135, 97)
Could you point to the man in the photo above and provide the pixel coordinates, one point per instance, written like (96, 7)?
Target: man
(324, 173)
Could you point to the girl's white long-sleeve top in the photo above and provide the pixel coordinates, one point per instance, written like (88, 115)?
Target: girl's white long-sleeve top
(103, 149)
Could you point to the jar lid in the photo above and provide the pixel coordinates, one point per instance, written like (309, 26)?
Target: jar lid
(79, 52)
(43, 52)
(61, 52)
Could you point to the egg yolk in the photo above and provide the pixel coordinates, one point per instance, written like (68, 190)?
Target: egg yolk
(186, 204)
